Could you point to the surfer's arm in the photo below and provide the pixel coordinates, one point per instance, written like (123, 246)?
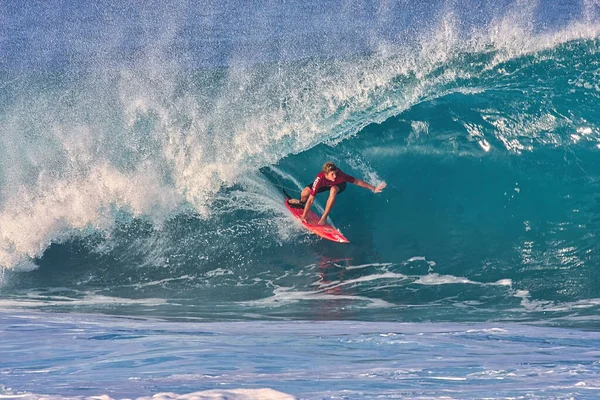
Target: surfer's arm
(372, 188)
(328, 206)
(309, 203)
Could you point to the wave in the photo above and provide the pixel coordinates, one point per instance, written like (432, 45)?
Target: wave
(151, 136)
(147, 164)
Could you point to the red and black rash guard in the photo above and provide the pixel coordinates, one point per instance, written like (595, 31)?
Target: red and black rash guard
(321, 183)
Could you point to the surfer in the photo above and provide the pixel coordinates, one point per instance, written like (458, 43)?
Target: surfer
(331, 179)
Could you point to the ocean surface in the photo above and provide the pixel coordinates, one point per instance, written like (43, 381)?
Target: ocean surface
(145, 249)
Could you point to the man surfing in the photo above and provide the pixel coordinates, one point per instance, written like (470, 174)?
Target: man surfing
(331, 179)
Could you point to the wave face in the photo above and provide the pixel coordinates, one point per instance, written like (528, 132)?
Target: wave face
(144, 147)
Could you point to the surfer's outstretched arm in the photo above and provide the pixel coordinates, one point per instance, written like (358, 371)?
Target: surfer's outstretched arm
(309, 203)
(375, 189)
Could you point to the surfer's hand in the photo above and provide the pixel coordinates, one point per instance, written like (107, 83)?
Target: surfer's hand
(303, 219)
(322, 222)
(380, 187)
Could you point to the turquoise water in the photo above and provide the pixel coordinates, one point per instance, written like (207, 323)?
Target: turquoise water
(145, 146)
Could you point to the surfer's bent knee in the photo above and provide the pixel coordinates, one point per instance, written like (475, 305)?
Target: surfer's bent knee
(304, 194)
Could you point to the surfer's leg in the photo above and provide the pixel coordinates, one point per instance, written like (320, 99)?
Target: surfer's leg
(303, 197)
(304, 194)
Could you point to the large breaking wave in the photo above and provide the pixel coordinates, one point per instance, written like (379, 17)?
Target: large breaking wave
(149, 166)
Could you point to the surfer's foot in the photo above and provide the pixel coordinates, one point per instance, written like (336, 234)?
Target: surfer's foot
(296, 202)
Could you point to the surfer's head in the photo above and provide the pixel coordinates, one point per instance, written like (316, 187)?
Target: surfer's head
(330, 171)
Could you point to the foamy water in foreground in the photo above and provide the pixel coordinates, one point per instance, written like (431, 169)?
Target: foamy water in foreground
(86, 356)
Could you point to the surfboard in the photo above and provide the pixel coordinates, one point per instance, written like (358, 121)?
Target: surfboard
(312, 224)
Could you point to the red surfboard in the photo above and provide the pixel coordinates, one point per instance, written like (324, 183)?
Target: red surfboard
(312, 224)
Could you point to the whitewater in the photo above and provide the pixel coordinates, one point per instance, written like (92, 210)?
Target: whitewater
(145, 248)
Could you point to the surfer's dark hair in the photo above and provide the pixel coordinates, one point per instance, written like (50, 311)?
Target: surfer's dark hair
(329, 166)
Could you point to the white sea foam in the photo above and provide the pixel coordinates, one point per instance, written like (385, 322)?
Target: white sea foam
(362, 266)
(89, 299)
(285, 296)
(551, 306)
(437, 279)
(367, 278)
(224, 394)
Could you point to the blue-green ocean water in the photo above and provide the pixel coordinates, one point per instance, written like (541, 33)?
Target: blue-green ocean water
(145, 145)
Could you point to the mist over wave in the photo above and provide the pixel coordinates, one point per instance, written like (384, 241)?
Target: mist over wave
(142, 151)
